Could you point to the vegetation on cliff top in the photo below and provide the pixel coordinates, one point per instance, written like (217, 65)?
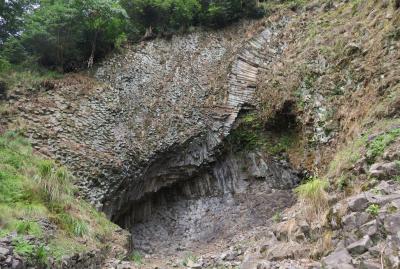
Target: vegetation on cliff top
(46, 32)
(37, 198)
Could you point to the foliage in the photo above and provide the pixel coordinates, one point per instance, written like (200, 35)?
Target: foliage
(38, 255)
(189, 257)
(172, 15)
(11, 13)
(136, 257)
(32, 188)
(376, 147)
(47, 32)
(373, 210)
(313, 194)
(277, 217)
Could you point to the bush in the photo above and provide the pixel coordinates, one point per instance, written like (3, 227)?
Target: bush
(4, 66)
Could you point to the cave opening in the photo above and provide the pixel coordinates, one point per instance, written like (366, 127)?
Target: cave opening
(284, 121)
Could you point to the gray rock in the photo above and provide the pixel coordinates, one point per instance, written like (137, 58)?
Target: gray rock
(354, 220)
(358, 203)
(369, 265)
(264, 265)
(392, 223)
(341, 256)
(383, 170)
(370, 228)
(5, 251)
(17, 264)
(360, 246)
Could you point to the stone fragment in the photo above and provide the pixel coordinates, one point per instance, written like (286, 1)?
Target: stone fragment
(4, 251)
(17, 264)
(370, 228)
(360, 246)
(339, 257)
(392, 223)
(369, 265)
(384, 170)
(354, 220)
(358, 203)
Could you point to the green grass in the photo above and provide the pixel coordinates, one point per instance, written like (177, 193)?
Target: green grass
(250, 135)
(136, 257)
(38, 254)
(313, 194)
(33, 188)
(377, 146)
(313, 189)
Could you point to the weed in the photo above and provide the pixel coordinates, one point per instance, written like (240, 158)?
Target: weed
(136, 257)
(392, 209)
(373, 210)
(72, 225)
(41, 255)
(277, 217)
(32, 188)
(342, 183)
(23, 247)
(189, 257)
(377, 146)
(313, 194)
(28, 227)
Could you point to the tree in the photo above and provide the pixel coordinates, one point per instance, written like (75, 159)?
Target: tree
(65, 34)
(103, 21)
(11, 16)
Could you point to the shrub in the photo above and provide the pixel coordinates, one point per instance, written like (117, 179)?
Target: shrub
(4, 65)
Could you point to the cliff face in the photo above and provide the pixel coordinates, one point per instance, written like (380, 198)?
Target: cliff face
(153, 135)
(158, 113)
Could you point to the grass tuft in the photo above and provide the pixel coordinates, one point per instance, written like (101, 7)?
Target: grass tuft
(313, 194)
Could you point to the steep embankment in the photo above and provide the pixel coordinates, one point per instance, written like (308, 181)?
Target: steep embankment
(190, 142)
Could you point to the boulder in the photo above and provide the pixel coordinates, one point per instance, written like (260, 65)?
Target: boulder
(5, 251)
(384, 170)
(338, 258)
(370, 228)
(354, 220)
(358, 203)
(360, 246)
(369, 265)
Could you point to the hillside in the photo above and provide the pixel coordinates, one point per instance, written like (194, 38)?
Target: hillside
(268, 143)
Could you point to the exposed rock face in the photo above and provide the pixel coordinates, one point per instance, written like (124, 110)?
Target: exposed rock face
(239, 193)
(207, 113)
(147, 138)
(159, 116)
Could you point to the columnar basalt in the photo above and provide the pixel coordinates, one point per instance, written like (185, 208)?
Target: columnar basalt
(148, 133)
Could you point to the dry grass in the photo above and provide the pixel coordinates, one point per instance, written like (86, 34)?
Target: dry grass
(349, 56)
(314, 198)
